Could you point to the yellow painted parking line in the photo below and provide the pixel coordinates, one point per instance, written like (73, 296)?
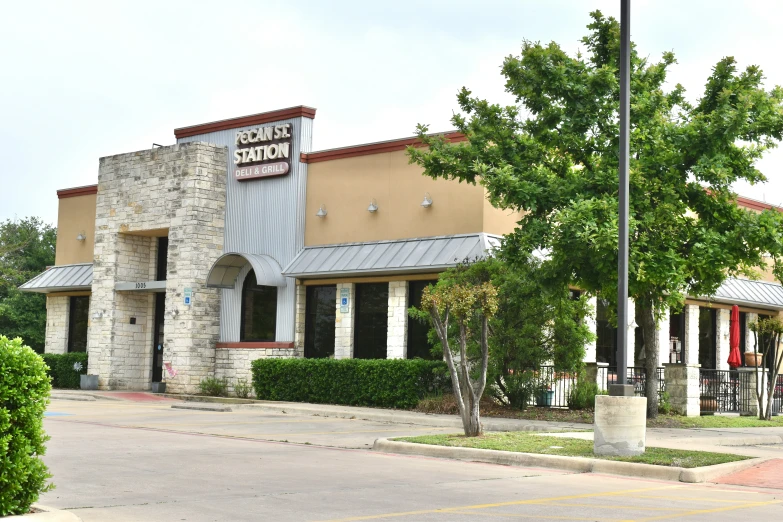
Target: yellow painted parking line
(502, 504)
(694, 499)
(713, 510)
(482, 514)
(568, 504)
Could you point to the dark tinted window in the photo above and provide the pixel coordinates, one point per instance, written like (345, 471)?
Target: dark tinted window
(321, 303)
(418, 344)
(259, 310)
(371, 321)
(707, 338)
(77, 324)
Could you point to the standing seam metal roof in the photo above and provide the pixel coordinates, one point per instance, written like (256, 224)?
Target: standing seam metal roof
(404, 255)
(745, 291)
(61, 278)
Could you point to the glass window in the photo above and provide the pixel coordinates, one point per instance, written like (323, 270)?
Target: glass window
(259, 310)
(707, 338)
(371, 321)
(320, 307)
(676, 337)
(418, 343)
(77, 324)
(606, 335)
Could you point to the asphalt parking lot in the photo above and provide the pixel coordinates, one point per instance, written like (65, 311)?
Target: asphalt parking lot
(143, 460)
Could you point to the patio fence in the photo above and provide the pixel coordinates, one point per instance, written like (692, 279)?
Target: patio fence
(553, 387)
(719, 392)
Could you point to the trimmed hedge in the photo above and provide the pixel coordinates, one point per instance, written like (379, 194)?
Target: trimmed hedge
(393, 383)
(24, 393)
(61, 368)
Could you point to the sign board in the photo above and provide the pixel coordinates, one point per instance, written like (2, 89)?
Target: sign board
(263, 152)
(344, 300)
(188, 295)
(141, 286)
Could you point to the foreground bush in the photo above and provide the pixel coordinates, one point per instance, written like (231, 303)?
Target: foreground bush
(65, 368)
(393, 383)
(24, 393)
(582, 395)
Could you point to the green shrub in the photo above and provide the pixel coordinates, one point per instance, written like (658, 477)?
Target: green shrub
(214, 387)
(582, 394)
(393, 383)
(62, 368)
(664, 404)
(24, 393)
(242, 388)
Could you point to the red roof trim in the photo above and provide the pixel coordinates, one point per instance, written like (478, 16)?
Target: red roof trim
(299, 111)
(756, 205)
(373, 148)
(77, 191)
(263, 345)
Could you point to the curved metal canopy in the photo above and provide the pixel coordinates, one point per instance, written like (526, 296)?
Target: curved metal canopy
(224, 272)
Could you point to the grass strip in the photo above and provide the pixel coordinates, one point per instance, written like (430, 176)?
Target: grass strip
(525, 442)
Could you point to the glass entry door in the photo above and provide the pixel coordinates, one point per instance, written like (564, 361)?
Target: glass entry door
(157, 348)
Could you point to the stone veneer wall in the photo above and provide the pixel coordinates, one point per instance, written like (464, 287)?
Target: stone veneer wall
(299, 325)
(180, 188)
(397, 328)
(57, 309)
(343, 332)
(234, 363)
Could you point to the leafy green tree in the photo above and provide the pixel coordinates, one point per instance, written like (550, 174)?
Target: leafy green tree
(26, 249)
(554, 156)
(460, 307)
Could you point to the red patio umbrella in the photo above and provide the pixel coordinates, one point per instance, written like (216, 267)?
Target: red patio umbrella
(734, 338)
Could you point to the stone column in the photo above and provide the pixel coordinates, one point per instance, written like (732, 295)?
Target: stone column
(397, 329)
(343, 321)
(691, 356)
(590, 348)
(299, 324)
(57, 316)
(749, 390)
(664, 338)
(597, 372)
(682, 385)
(749, 339)
(722, 345)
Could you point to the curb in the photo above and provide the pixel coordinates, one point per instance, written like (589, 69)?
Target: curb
(200, 407)
(575, 464)
(48, 514)
(392, 416)
(74, 397)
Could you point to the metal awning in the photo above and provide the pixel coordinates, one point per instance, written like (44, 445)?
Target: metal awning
(760, 294)
(420, 255)
(224, 272)
(61, 278)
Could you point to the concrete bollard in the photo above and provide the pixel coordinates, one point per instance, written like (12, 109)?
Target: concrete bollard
(620, 425)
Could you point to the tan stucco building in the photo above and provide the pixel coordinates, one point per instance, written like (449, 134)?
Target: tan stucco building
(240, 242)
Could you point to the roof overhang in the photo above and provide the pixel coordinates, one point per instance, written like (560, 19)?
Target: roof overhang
(404, 256)
(226, 269)
(758, 294)
(63, 278)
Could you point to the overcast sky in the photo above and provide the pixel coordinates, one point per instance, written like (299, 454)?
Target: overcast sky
(81, 80)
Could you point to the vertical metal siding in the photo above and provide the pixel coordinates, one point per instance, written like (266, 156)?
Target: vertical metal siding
(264, 216)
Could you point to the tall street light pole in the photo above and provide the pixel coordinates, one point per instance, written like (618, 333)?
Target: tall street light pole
(622, 265)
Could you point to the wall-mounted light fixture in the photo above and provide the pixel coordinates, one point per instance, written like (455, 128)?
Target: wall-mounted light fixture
(427, 203)
(81, 236)
(321, 211)
(373, 206)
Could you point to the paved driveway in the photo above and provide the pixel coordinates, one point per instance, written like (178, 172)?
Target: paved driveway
(129, 460)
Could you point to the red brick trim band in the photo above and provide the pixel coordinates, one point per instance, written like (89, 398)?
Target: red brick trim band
(262, 345)
(299, 111)
(373, 148)
(77, 191)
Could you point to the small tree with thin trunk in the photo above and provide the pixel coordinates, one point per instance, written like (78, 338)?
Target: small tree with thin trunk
(766, 341)
(468, 305)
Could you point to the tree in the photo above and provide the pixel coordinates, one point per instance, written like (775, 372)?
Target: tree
(26, 249)
(468, 300)
(535, 324)
(766, 341)
(554, 156)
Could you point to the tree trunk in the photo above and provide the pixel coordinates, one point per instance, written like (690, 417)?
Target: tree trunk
(652, 354)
